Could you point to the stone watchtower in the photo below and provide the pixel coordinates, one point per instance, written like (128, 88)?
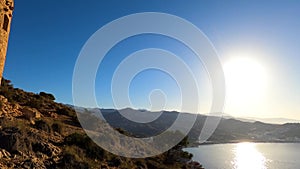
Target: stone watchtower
(6, 9)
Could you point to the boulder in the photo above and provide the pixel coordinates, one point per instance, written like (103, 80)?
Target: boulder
(13, 140)
(47, 148)
(4, 154)
(33, 163)
(3, 99)
(30, 113)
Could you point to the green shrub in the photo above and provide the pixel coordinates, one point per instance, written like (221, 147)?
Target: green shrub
(6, 83)
(186, 155)
(43, 125)
(7, 89)
(34, 103)
(47, 95)
(114, 161)
(84, 142)
(67, 111)
(57, 127)
(71, 160)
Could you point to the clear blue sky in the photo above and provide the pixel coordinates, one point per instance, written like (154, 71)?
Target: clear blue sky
(47, 36)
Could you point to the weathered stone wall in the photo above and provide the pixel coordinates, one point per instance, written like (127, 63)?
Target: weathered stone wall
(6, 9)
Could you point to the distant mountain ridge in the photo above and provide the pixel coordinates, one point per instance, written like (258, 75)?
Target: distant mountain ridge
(228, 130)
(269, 120)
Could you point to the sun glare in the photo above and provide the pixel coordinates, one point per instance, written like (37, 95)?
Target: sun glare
(248, 157)
(246, 81)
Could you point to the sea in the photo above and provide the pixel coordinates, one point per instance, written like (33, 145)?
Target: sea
(248, 155)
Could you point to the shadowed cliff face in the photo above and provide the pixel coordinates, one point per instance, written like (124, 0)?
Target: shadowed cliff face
(37, 132)
(6, 10)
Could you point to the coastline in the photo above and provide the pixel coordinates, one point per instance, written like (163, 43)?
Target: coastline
(193, 145)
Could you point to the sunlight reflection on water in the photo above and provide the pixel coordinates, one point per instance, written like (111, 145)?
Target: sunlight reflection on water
(248, 157)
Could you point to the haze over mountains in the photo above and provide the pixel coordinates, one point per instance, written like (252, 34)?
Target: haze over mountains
(228, 130)
(264, 120)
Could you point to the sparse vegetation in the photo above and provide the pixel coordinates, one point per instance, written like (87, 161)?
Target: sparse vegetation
(43, 125)
(47, 95)
(71, 158)
(39, 133)
(57, 126)
(67, 111)
(83, 141)
(6, 90)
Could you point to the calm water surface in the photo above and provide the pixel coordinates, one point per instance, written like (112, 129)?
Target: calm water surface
(248, 156)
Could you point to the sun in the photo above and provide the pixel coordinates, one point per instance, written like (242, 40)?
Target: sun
(246, 81)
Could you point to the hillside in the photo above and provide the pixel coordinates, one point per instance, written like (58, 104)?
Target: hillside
(37, 132)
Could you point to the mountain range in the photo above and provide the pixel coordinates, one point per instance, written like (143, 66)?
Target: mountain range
(228, 130)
